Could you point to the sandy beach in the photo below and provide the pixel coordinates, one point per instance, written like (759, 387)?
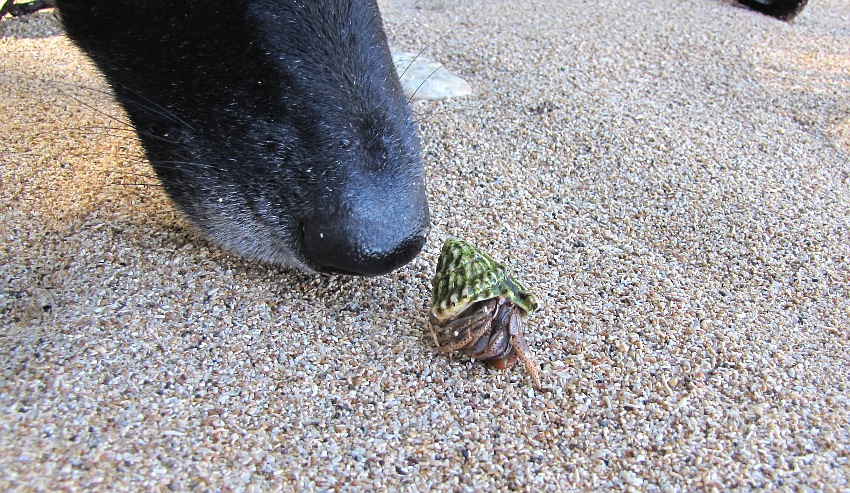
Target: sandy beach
(670, 178)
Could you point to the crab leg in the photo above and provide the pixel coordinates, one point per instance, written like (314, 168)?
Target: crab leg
(524, 355)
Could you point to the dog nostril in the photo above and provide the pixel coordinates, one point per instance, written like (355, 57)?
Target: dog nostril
(371, 232)
(362, 252)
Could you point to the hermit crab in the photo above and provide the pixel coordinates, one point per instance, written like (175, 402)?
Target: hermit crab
(479, 308)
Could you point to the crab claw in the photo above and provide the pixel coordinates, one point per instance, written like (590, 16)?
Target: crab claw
(504, 362)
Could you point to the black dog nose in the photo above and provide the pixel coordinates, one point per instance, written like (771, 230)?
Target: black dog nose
(363, 256)
(370, 245)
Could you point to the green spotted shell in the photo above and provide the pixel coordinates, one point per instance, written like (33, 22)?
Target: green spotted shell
(466, 275)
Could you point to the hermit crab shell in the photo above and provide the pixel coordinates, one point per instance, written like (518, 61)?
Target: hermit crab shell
(466, 275)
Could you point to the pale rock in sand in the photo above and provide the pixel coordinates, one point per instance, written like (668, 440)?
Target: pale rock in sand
(423, 79)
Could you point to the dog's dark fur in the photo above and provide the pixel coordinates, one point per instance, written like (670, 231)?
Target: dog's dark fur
(277, 126)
